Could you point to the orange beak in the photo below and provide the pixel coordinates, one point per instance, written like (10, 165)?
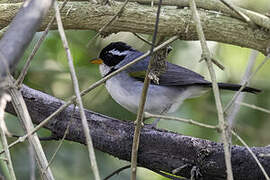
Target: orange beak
(96, 61)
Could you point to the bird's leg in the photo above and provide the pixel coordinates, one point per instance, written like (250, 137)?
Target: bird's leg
(155, 123)
(135, 123)
(195, 173)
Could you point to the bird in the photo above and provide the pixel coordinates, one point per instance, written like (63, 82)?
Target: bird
(175, 84)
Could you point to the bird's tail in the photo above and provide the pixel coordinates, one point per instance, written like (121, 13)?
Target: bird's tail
(236, 87)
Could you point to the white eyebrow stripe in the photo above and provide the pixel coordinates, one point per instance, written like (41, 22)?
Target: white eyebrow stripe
(118, 53)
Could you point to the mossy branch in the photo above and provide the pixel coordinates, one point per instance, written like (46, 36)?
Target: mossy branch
(140, 18)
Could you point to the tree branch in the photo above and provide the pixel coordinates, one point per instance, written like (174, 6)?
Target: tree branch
(140, 18)
(159, 149)
(19, 35)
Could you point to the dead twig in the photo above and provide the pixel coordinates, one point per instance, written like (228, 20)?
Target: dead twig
(139, 119)
(35, 49)
(116, 172)
(252, 154)
(222, 124)
(3, 101)
(238, 12)
(108, 23)
(86, 129)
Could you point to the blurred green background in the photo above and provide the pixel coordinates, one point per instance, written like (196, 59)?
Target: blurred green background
(49, 73)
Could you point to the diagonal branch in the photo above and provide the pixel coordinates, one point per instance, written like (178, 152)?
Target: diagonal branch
(222, 123)
(3, 101)
(26, 121)
(139, 119)
(19, 35)
(91, 152)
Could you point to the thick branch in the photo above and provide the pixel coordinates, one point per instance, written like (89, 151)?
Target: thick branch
(140, 19)
(159, 149)
(20, 32)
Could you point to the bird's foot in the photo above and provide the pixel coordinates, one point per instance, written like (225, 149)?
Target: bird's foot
(195, 173)
(135, 123)
(154, 124)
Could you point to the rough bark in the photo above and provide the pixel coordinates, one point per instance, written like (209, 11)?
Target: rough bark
(140, 19)
(159, 149)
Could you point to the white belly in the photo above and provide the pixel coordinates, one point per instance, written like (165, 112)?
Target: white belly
(159, 98)
(126, 91)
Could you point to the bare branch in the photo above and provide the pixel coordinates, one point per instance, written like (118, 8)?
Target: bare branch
(160, 150)
(4, 98)
(244, 84)
(24, 116)
(117, 172)
(139, 118)
(214, 5)
(19, 35)
(253, 107)
(109, 22)
(252, 154)
(189, 121)
(136, 18)
(225, 131)
(238, 12)
(35, 49)
(91, 152)
(235, 108)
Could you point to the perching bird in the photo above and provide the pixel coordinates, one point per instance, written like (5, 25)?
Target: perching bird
(175, 85)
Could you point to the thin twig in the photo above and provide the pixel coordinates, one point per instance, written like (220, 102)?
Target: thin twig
(189, 121)
(116, 172)
(177, 170)
(172, 177)
(242, 15)
(35, 49)
(246, 83)
(3, 101)
(62, 140)
(222, 123)
(86, 129)
(3, 159)
(32, 162)
(108, 23)
(60, 143)
(252, 154)
(141, 38)
(253, 107)
(139, 119)
(24, 116)
(87, 90)
(264, 155)
(156, 171)
(217, 63)
(214, 5)
(234, 109)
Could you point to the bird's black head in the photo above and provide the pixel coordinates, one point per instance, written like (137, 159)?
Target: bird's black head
(114, 53)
